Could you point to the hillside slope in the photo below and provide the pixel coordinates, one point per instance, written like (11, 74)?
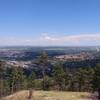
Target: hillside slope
(49, 95)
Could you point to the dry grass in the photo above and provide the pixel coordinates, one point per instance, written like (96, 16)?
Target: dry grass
(49, 95)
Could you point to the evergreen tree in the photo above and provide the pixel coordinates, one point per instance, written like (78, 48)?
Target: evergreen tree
(43, 63)
(31, 80)
(59, 75)
(96, 79)
(47, 82)
(2, 66)
(84, 78)
(17, 79)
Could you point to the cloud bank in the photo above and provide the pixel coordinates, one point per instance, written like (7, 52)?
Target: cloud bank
(50, 40)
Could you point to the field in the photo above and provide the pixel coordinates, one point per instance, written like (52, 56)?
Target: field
(49, 95)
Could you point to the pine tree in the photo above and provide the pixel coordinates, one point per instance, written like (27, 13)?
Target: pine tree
(59, 75)
(96, 79)
(17, 79)
(31, 80)
(47, 82)
(43, 63)
(84, 78)
(2, 65)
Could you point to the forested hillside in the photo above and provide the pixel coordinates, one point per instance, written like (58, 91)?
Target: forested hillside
(61, 78)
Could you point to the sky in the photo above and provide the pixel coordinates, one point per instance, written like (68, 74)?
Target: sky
(50, 22)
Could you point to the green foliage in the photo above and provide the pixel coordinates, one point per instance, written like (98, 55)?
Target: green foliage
(96, 78)
(16, 79)
(59, 75)
(47, 82)
(80, 79)
(42, 63)
(84, 78)
(38, 84)
(31, 79)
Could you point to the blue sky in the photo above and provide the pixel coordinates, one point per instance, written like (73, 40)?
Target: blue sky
(50, 22)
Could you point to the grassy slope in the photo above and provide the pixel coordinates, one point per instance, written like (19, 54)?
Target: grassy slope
(48, 95)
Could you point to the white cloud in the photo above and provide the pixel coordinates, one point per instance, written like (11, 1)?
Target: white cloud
(50, 40)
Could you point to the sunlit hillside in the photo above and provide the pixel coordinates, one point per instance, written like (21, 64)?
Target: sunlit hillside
(49, 95)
